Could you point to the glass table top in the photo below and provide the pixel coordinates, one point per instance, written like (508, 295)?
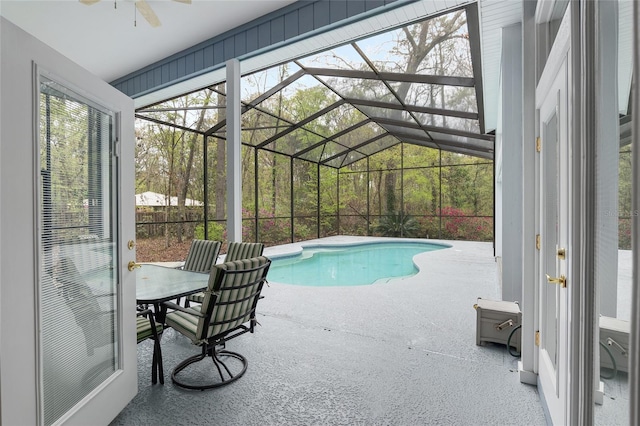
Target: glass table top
(158, 283)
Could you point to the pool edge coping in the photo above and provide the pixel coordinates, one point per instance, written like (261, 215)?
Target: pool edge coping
(297, 248)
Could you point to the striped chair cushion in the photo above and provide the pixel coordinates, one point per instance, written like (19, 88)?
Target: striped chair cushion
(227, 297)
(202, 255)
(143, 328)
(184, 322)
(196, 297)
(237, 251)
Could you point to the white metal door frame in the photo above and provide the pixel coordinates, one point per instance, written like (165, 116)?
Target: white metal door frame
(552, 100)
(634, 357)
(108, 398)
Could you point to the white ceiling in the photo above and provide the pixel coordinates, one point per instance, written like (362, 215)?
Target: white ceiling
(104, 40)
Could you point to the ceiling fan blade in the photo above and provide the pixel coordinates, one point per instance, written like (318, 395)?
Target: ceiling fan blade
(89, 2)
(183, 1)
(148, 13)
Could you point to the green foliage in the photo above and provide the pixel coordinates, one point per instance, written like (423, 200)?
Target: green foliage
(216, 231)
(404, 177)
(397, 225)
(273, 231)
(625, 212)
(624, 233)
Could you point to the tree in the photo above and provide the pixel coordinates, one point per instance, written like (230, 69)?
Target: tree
(289, 152)
(167, 154)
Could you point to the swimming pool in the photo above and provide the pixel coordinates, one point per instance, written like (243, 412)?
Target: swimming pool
(349, 265)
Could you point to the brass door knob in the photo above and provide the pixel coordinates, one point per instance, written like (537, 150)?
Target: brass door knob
(133, 265)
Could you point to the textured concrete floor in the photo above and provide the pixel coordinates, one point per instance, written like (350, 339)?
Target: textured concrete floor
(396, 353)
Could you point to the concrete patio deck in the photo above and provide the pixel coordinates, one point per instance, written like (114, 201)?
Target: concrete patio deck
(397, 353)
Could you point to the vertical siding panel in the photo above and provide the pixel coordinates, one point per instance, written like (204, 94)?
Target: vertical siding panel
(166, 74)
(173, 70)
(190, 63)
(240, 44)
(150, 80)
(218, 53)
(181, 67)
(337, 11)
(355, 7)
(157, 76)
(277, 30)
(252, 39)
(305, 19)
(136, 83)
(198, 60)
(229, 48)
(291, 25)
(208, 56)
(321, 14)
(264, 34)
(373, 4)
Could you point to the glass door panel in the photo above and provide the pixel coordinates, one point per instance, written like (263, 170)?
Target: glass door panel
(551, 179)
(77, 248)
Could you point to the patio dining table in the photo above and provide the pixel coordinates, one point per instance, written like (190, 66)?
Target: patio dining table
(156, 284)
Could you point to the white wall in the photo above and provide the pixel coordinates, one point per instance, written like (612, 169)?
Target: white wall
(528, 306)
(17, 264)
(511, 84)
(497, 158)
(607, 164)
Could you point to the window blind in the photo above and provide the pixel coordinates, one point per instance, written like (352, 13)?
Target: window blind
(77, 288)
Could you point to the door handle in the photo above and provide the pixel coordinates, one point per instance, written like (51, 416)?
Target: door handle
(133, 265)
(561, 280)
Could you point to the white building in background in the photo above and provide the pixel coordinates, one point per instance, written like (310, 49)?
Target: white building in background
(154, 199)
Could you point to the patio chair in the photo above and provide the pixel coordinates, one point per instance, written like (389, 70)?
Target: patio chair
(93, 319)
(202, 255)
(147, 328)
(235, 251)
(84, 305)
(227, 311)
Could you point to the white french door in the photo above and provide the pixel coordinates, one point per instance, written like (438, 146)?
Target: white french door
(85, 296)
(554, 214)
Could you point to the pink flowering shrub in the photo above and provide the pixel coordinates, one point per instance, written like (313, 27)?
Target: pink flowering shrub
(457, 225)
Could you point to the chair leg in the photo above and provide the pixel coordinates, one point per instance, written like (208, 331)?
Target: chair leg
(157, 368)
(160, 367)
(215, 356)
(154, 370)
(156, 363)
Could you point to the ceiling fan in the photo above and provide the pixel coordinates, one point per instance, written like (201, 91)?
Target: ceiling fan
(143, 7)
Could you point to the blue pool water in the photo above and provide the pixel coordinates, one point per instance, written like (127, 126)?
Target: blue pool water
(349, 265)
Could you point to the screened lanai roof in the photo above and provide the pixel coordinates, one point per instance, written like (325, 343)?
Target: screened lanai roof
(419, 84)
